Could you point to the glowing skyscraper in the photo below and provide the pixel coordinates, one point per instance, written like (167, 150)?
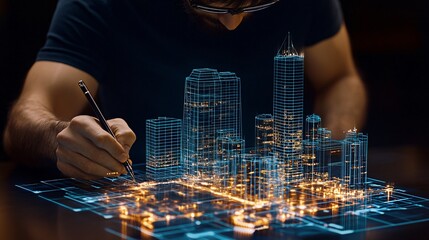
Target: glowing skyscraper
(261, 179)
(212, 105)
(227, 169)
(326, 148)
(264, 136)
(228, 104)
(354, 159)
(288, 108)
(310, 162)
(163, 150)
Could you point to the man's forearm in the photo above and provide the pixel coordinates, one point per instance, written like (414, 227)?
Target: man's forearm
(30, 134)
(343, 105)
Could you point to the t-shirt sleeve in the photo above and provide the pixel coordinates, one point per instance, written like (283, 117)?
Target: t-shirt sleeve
(79, 36)
(326, 20)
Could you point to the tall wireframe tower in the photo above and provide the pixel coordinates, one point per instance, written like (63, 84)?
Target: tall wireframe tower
(288, 108)
(264, 135)
(229, 104)
(212, 108)
(163, 150)
(354, 159)
(310, 162)
(324, 152)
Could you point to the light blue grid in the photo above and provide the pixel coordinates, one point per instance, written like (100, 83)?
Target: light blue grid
(163, 148)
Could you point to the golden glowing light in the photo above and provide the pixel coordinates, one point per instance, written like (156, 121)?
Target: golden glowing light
(307, 197)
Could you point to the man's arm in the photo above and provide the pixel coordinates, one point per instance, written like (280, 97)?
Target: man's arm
(44, 125)
(341, 98)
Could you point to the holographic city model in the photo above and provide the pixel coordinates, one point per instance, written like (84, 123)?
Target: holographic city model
(202, 181)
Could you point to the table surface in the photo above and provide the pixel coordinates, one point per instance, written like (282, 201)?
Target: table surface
(23, 215)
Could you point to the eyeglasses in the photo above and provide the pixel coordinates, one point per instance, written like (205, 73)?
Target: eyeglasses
(232, 11)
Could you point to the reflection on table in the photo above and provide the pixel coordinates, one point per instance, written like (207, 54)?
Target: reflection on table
(26, 216)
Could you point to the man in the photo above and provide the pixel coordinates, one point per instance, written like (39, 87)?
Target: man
(135, 55)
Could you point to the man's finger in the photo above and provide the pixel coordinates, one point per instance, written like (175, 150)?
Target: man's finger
(71, 141)
(71, 171)
(91, 130)
(84, 164)
(125, 136)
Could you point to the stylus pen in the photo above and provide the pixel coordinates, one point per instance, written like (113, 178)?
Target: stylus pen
(103, 122)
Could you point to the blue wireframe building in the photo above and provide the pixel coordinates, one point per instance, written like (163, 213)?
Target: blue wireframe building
(264, 135)
(227, 169)
(327, 153)
(212, 108)
(288, 108)
(163, 148)
(355, 158)
(260, 178)
(310, 162)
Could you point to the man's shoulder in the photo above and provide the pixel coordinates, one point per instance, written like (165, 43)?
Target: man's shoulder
(292, 5)
(88, 5)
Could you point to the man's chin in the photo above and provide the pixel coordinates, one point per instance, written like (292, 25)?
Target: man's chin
(207, 23)
(213, 25)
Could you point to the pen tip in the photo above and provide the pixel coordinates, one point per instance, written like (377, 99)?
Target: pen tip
(132, 176)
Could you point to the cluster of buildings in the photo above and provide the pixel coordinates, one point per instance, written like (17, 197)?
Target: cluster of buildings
(206, 145)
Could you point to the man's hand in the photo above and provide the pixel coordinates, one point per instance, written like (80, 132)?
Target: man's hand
(87, 151)
(43, 129)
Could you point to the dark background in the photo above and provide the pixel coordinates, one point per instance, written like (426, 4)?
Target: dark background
(389, 39)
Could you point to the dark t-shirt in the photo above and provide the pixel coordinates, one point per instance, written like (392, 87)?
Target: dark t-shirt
(141, 51)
